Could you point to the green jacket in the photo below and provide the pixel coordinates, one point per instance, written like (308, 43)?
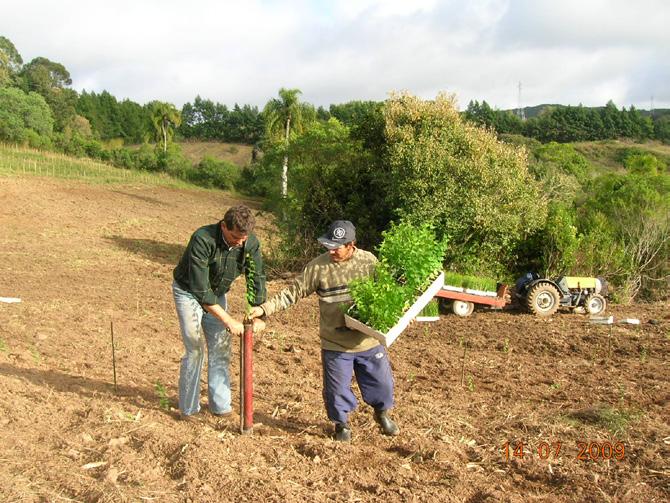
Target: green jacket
(209, 265)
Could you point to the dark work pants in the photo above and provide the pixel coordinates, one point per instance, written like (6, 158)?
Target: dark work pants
(373, 375)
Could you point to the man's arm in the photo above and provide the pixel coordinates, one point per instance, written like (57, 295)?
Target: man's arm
(234, 326)
(302, 286)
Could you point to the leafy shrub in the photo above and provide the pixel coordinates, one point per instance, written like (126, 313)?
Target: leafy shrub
(214, 173)
(643, 164)
(24, 117)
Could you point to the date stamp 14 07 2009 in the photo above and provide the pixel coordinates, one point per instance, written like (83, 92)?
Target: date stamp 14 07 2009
(581, 450)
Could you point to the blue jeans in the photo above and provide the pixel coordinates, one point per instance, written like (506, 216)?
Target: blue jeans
(373, 375)
(200, 328)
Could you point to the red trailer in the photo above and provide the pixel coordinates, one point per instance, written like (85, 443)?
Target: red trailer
(464, 301)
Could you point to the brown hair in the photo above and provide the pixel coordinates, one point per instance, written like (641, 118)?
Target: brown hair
(239, 217)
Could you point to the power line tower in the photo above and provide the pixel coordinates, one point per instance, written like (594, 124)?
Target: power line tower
(651, 107)
(520, 111)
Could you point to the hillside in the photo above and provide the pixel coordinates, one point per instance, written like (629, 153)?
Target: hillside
(238, 154)
(82, 256)
(608, 154)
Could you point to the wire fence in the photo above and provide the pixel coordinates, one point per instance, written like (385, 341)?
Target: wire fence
(23, 161)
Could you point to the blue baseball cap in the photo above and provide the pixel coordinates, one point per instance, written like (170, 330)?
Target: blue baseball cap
(339, 233)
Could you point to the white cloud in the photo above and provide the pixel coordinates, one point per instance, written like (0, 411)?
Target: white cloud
(569, 52)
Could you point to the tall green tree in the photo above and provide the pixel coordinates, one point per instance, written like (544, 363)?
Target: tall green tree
(51, 80)
(475, 189)
(280, 115)
(164, 117)
(10, 62)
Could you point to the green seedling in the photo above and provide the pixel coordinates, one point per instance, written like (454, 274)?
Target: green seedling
(506, 345)
(431, 309)
(643, 354)
(161, 392)
(3, 346)
(471, 282)
(409, 259)
(36, 354)
(471, 383)
(250, 273)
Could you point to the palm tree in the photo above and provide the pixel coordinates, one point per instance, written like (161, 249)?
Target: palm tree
(280, 114)
(164, 116)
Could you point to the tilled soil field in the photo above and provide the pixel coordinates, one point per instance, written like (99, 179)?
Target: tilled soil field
(500, 406)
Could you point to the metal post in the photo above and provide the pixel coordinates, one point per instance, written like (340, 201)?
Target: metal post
(246, 379)
(111, 328)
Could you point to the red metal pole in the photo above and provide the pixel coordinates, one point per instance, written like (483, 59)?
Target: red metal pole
(247, 379)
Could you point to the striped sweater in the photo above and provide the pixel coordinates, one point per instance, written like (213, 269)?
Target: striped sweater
(330, 281)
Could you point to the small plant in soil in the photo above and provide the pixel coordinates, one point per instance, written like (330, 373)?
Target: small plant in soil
(3, 346)
(161, 392)
(36, 354)
(643, 354)
(471, 383)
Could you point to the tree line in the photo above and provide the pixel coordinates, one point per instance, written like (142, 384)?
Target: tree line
(566, 124)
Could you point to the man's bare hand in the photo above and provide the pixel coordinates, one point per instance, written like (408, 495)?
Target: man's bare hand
(256, 312)
(235, 327)
(259, 326)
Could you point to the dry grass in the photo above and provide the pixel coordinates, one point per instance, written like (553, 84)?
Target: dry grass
(232, 152)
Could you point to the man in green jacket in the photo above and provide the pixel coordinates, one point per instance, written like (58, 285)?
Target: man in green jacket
(344, 351)
(216, 254)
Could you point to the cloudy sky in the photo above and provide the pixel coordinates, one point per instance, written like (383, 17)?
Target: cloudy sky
(562, 51)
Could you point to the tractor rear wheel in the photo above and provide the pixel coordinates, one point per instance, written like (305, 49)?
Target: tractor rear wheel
(595, 303)
(543, 299)
(462, 308)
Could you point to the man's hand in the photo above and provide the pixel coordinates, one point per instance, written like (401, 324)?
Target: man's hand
(259, 326)
(256, 312)
(235, 327)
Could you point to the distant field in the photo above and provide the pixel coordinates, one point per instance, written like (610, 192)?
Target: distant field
(606, 154)
(232, 152)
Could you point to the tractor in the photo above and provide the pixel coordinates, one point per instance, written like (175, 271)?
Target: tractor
(543, 296)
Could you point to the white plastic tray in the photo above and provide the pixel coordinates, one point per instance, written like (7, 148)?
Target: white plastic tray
(387, 338)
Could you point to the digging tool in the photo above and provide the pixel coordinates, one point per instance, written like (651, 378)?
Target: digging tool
(246, 379)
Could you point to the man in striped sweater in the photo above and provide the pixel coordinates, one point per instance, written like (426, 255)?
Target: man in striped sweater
(344, 352)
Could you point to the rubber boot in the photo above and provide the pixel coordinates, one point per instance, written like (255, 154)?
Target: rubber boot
(387, 424)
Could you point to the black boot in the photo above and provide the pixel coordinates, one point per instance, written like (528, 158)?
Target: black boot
(342, 432)
(387, 424)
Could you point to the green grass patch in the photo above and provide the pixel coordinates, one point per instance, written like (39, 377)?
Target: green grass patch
(3, 346)
(616, 420)
(471, 282)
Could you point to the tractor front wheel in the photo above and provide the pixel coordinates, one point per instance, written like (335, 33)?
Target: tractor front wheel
(595, 303)
(543, 299)
(462, 308)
